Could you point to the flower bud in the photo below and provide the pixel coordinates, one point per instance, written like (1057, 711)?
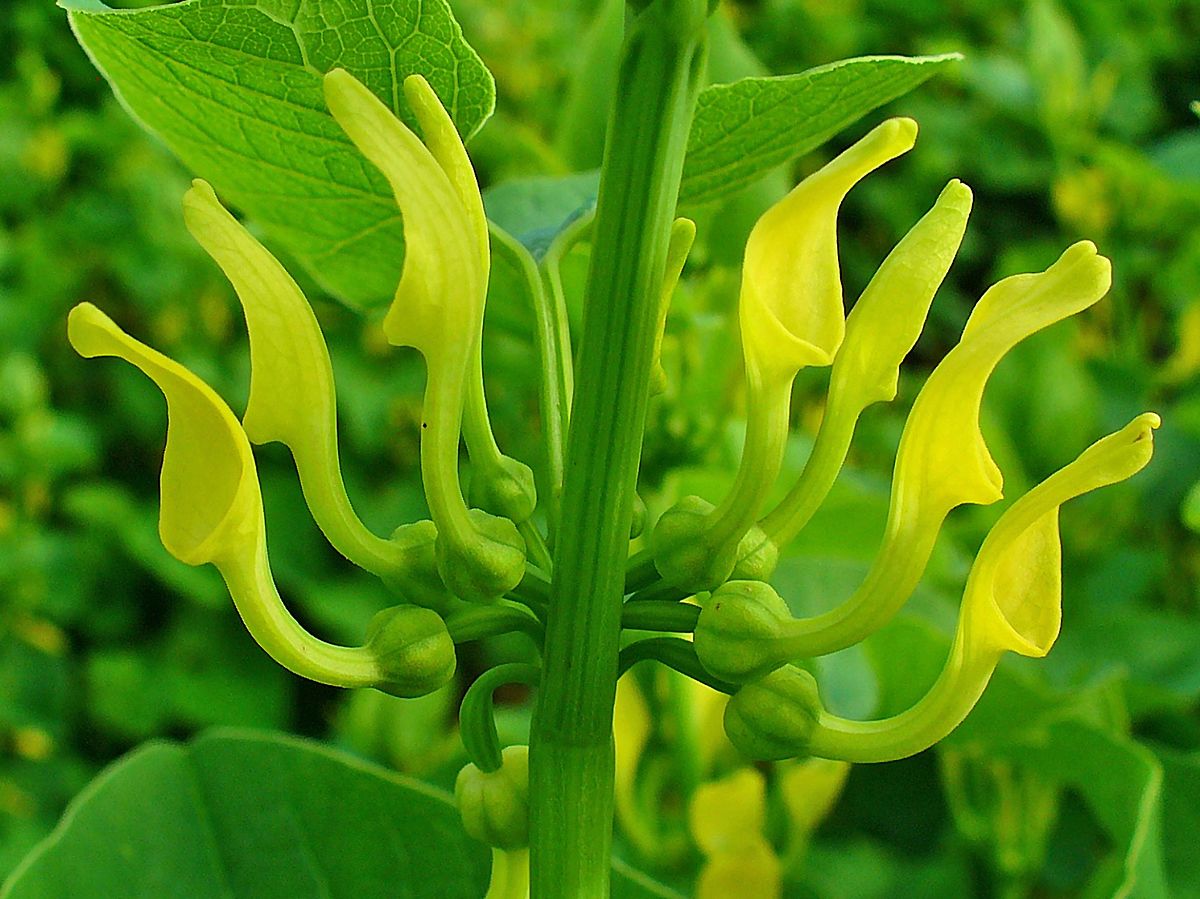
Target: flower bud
(495, 805)
(488, 565)
(773, 718)
(412, 649)
(737, 629)
(681, 554)
(504, 488)
(687, 557)
(758, 555)
(418, 581)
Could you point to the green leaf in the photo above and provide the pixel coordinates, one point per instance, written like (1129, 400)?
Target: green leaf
(241, 814)
(1181, 820)
(744, 129)
(234, 90)
(1122, 785)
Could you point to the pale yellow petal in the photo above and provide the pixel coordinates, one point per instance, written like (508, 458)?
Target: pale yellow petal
(1013, 600)
(1012, 603)
(439, 303)
(887, 319)
(943, 460)
(446, 146)
(210, 500)
(292, 397)
(809, 789)
(729, 813)
(790, 308)
(752, 871)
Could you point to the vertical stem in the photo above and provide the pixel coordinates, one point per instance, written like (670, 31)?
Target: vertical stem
(571, 749)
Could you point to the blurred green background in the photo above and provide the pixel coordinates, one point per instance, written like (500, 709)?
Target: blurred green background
(1069, 119)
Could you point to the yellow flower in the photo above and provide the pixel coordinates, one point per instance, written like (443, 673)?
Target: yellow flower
(727, 819)
(943, 461)
(292, 398)
(791, 316)
(438, 310)
(790, 309)
(1012, 603)
(211, 511)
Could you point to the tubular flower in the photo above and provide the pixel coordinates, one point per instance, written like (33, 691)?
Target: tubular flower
(880, 332)
(1012, 603)
(292, 398)
(791, 316)
(438, 310)
(212, 512)
(943, 461)
(211, 503)
(745, 637)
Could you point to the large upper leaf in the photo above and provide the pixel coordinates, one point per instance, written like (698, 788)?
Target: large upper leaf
(233, 87)
(253, 815)
(744, 129)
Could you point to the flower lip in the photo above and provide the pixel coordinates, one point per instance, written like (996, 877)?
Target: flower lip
(1020, 560)
(791, 308)
(209, 487)
(1028, 621)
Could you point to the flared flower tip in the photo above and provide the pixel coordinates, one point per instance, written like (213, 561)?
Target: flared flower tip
(439, 301)
(209, 486)
(1019, 567)
(1076, 280)
(1027, 590)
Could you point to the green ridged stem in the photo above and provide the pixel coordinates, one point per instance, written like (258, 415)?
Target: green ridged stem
(571, 746)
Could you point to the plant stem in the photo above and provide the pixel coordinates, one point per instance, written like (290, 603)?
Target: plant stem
(571, 745)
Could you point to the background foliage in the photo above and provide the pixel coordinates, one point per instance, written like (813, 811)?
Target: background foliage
(1069, 118)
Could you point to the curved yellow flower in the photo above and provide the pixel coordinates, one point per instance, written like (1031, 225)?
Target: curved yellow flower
(727, 818)
(211, 511)
(292, 396)
(791, 316)
(881, 330)
(1012, 603)
(790, 309)
(943, 461)
(438, 310)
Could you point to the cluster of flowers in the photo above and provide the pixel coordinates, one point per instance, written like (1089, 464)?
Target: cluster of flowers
(473, 555)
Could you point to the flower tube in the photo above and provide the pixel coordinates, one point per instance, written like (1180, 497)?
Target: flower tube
(211, 511)
(1012, 603)
(791, 316)
(438, 310)
(943, 461)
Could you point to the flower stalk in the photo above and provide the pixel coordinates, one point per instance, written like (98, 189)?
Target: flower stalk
(571, 749)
